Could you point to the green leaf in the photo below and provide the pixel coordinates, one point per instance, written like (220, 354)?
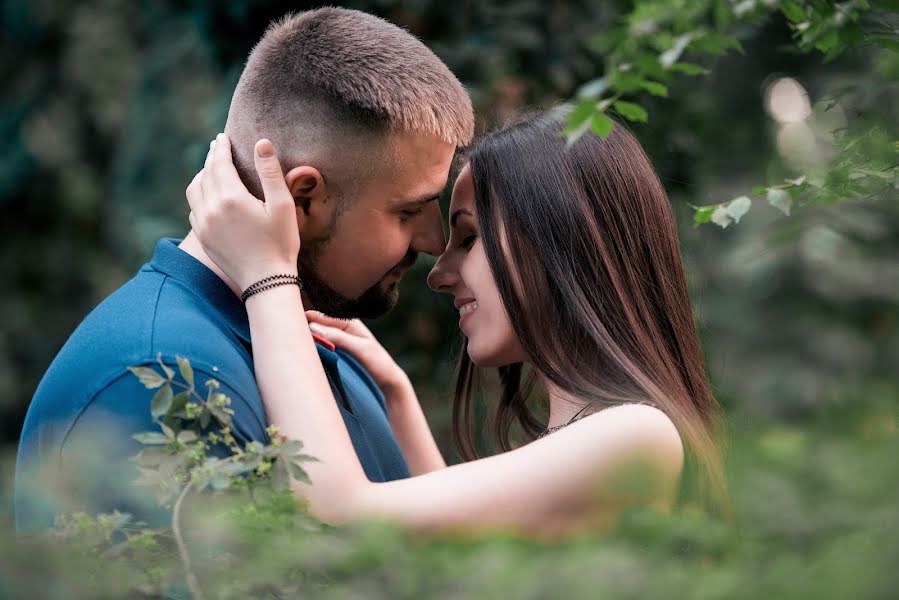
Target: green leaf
(687, 68)
(151, 457)
(187, 436)
(298, 472)
(179, 401)
(148, 377)
(151, 438)
(792, 11)
(162, 401)
(828, 41)
(288, 448)
(780, 200)
(626, 83)
(738, 207)
(703, 214)
(220, 415)
(602, 125)
(716, 43)
(168, 431)
(241, 467)
(654, 88)
(301, 458)
(280, 474)
(631, 111)
(187, 371)
(168, 370)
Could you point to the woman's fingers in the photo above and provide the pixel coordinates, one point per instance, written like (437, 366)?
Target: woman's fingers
(338, 337)
(208, 162)
(226, 177)
(353, 326)
(274, 187)
(205, 182)
(194, 192)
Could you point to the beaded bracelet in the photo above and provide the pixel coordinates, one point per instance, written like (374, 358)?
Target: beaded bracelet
(269, 283)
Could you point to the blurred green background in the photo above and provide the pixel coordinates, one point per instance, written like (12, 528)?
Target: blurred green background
(108, 107)
(107, 110)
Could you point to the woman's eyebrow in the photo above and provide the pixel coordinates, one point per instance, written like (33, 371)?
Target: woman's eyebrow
(456, 213)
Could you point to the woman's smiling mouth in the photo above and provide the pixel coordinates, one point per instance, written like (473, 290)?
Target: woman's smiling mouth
(468, 308)
(465, 306)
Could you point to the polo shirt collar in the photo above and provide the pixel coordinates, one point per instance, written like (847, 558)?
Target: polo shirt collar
(174, 262)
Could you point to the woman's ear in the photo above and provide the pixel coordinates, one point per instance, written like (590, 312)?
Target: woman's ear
(307, 186)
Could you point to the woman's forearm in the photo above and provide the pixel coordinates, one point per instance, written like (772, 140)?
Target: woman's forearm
(411, 429)
(299, 401)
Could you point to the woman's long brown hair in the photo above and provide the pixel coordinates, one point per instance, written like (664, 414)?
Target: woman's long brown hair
(590, 273)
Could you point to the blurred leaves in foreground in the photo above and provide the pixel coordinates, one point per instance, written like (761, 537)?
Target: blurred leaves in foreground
(817, 518)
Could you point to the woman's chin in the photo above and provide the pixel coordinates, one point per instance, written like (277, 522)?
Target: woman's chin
(486, 359)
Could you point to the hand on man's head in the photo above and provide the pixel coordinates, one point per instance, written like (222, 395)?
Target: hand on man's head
(249, 239)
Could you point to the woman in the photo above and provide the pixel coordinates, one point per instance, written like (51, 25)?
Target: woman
(565, 259)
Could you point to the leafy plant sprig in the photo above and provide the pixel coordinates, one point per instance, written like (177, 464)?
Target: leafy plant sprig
(645, 53)
(177, 460)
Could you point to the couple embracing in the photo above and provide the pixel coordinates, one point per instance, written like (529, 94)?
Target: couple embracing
(563, 263)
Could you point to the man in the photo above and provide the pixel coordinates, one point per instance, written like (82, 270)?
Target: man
(366, 120)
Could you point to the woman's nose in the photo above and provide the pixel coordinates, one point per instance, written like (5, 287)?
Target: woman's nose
(443, 276)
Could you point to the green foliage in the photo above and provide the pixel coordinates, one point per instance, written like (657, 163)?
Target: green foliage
(646, 48)
(815, 518)
(178, 460)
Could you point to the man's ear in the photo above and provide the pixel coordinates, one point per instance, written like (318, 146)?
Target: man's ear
(307, 186)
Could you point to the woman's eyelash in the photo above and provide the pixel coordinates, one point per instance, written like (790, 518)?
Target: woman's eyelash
(468, 241)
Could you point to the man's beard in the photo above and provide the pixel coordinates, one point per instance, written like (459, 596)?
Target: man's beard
(374, 302)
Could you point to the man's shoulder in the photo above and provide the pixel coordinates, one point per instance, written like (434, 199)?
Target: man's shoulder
(148, 317)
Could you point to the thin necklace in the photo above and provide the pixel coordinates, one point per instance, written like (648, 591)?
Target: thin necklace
(576, 416)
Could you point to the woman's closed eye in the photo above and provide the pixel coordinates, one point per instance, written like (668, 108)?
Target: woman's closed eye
(468, 241)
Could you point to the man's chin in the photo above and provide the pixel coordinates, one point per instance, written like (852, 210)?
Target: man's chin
(375, 302)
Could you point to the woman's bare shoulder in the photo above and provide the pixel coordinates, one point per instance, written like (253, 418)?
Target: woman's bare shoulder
(620, 441)
(639, 426)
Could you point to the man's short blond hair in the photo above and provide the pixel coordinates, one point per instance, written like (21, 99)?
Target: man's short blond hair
(327, 85)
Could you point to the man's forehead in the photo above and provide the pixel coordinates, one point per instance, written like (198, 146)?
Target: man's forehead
(413, 151)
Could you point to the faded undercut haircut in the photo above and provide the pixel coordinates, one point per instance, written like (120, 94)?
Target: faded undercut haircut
(328, 86)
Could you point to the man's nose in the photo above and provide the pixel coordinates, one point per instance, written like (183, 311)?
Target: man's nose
(429, 237)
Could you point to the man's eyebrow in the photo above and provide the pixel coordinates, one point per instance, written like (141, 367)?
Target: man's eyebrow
(455, 215)
(423, 199)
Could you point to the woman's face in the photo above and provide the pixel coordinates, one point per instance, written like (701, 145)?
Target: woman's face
(463, 271)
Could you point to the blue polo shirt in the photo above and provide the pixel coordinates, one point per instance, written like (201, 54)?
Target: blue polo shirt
(77, 432)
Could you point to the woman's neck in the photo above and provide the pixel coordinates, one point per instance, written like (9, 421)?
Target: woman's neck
(563, 407)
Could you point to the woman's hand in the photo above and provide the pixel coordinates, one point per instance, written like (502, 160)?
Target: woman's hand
(403, 409)
(247, 238)
(354, 337)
